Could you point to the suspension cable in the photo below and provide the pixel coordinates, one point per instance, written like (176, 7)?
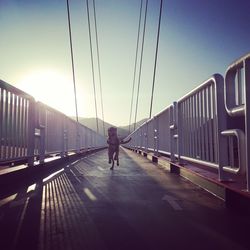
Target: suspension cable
(142, 48)
(72, 59)
(135, 66)
(99, 68)
(156, 56)
(92, 64)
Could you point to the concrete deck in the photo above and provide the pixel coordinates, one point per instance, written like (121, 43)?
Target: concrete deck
(85, 205)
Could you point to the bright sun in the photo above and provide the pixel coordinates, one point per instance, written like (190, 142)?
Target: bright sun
(51, 88)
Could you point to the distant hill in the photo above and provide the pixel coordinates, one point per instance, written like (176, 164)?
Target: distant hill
(123, 131)
(91, 123)
(138, 124)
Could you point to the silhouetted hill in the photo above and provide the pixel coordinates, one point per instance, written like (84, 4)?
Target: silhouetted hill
(138, 124)
(123, 131)
(91, 123)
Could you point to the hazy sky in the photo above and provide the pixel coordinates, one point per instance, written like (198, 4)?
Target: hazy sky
(198, 38)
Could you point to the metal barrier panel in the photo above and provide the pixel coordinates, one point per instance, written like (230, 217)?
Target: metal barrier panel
(201, 118)
(132, 143)
(100, 141)
(16, 124)
(52, 131)
(151, 128)
(72, 134)
(173, 140)
(86, 138)
(89, 138)
(136, 138)
(156, 135)
(143, 136)
(164, 131)
(82, 137)
(237, 101)
(94, 139)
(61, 134)
(92, 134)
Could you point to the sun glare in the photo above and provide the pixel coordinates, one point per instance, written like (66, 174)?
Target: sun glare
(51, 88)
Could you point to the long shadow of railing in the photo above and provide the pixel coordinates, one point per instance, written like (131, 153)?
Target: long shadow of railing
(84, 205)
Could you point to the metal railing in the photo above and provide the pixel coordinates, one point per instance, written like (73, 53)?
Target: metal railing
(210, 126)
(31, 130)
(201, 119)
(16, 123)
(237, 103)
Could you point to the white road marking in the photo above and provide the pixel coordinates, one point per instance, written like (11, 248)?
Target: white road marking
(100, 168)
(172, 201)
(90, 195)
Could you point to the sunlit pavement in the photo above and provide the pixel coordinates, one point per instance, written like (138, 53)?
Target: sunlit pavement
(135, 206)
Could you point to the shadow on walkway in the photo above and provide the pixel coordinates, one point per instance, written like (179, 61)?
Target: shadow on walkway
(85, 205)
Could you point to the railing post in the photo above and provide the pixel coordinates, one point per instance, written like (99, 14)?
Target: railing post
(173, 128)
(77, 137)
(221, 126)
(240, 108)
(42, 126)
(85, 139)
(178, 121)
(156, 135)
(63, 137)
(31, 133)
(141, 137)
(247, 118)
(91, 139)
(66, 137)
(42, 144)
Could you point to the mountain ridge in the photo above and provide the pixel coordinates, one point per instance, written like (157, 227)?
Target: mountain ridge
(122, 131)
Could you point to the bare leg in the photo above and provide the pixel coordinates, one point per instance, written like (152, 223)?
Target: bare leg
(117, 156)
(112, 165)
(113, 162)
(109, 155)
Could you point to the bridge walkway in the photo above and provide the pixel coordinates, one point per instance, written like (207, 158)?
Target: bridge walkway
(136, 206)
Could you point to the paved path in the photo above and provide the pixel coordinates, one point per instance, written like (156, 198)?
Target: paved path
(135, 206)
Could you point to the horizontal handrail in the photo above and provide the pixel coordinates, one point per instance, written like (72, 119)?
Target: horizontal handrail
(241, 152)
(233, 71)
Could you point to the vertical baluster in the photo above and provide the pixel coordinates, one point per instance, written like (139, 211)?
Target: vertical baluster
(210, 131)
(206, 125)
(201, 124)
(1, 122)
(5, 127)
